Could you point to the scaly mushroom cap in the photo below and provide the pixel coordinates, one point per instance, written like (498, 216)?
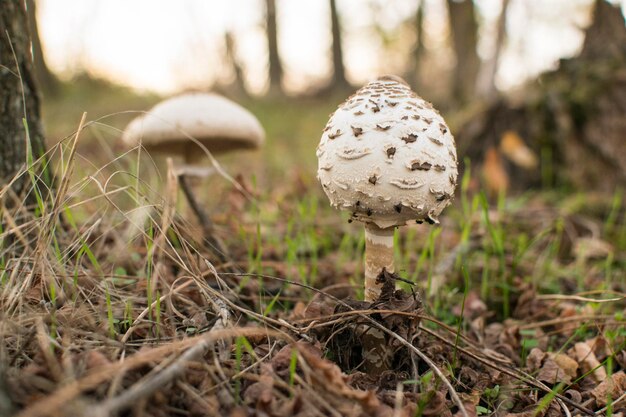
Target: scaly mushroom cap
(388, 156)
(218, 123)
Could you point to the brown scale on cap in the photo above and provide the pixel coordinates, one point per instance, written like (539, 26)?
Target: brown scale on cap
(420, 166)
(375, 107)
(410, 138)
(335, 135)
(357, 131)
(435, 141)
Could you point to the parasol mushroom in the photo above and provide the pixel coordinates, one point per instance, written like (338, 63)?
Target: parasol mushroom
(388, 157)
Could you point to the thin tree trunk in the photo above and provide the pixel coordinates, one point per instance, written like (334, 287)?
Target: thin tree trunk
(339, 80)
(46, 79)
(231, 56)
(19, 100)
(464, 30)
(487, 78)
(413, 75)
(275, 66)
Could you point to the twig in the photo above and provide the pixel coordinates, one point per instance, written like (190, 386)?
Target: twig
(563, 297)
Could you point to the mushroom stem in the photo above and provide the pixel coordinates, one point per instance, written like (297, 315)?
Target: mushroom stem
(205, 221)
(203, 217)
(378, 255)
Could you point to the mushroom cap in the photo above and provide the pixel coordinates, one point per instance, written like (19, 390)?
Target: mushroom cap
(217, 122)
(388, 156)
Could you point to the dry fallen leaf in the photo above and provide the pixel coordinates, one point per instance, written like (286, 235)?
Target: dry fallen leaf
(515, 149)
(613, 387)
(495, 176)
(552, 373)
(587, 248)
(588, 361)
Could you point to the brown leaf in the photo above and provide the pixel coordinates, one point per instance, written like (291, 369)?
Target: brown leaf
(613, 387)
(495, 176)
(535, 359)
(298, 312)
(330, 377)
(514, 148)
(569, 365)
(282, 360)
(474, 306)
(587, 248)
(260, 394)
(588, 361)
(557, 368)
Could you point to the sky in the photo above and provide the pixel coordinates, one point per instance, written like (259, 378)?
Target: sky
(166, 46)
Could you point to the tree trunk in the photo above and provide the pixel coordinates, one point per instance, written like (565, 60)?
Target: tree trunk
(275, 66)
(464, 30)
(45, 78)
(239, 84)
(18, 100)
(413, 74)
(339, 80)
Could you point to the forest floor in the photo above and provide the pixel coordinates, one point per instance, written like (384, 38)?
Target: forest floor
(114, 303)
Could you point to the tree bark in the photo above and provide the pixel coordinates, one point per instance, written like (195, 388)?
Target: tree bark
(19, 100)
(339, 80)
(275, 65)
(45, 78)
(464, 30)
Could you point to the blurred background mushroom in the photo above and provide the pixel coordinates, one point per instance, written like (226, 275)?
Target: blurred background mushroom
(195, 126)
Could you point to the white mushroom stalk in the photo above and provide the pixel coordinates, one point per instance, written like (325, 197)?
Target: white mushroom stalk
(388, 157)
